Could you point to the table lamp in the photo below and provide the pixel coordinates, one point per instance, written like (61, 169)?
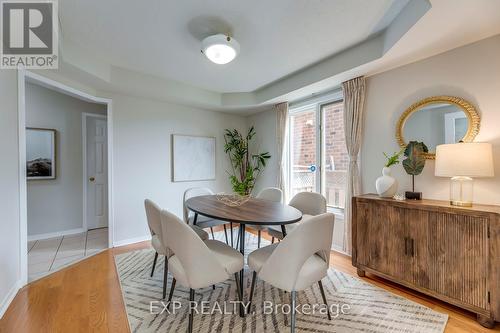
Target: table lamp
(462, 161)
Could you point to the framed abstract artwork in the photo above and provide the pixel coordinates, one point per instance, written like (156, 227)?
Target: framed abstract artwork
(193, 158)
(40, 153)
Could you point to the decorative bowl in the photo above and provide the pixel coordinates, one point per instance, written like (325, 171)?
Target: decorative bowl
(232, 200)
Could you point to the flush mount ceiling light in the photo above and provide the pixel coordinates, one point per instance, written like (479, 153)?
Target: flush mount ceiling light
(220, 49)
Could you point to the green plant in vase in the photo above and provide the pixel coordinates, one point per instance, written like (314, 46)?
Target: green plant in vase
(386, 185)
(246, 166)
(414, 164)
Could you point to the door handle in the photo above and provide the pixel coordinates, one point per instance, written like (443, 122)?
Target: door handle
(406, 246)
(92, 179)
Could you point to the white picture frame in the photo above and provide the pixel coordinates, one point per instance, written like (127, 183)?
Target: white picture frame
(193, 158)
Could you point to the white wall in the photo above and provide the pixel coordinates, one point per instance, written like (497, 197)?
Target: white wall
(471, 72)
(9, 185)
(57, 205)
(142, 158)
(265, 140)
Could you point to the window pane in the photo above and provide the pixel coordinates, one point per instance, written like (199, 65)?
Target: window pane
(334, 153)
(303, 152)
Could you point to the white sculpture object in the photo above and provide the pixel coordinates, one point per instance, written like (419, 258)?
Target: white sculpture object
(386, 185)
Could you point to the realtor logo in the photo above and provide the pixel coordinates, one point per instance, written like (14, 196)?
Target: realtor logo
(29, 34)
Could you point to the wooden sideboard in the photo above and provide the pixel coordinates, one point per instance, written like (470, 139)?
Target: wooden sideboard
(451, 253)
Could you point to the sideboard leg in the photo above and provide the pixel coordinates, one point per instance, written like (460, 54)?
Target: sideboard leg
(485, 321)
(361, 273)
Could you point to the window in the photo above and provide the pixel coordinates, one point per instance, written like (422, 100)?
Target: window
(317, 155)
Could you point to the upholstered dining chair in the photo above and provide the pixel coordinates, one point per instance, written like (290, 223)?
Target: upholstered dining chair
(272, 194)
(158, 242)
(309, 203)
(301, 259)
(202, 221)
(196, 264)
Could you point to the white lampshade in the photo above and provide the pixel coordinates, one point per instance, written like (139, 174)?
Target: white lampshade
(473, 159)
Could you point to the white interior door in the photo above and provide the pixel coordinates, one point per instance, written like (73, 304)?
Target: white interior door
(97, 175)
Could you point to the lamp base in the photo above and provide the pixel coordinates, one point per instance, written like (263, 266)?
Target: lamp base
(461, 191)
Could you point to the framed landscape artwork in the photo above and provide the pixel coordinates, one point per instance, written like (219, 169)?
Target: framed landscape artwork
(40, 153)
(193, 158)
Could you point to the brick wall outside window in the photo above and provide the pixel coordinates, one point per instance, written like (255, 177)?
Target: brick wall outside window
(303, 140)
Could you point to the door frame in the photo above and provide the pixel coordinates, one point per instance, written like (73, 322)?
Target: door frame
(22, 77)
(85, 116)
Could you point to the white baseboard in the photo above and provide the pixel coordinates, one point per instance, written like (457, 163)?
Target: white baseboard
(132, 240)
(9, 297)
(56, 234)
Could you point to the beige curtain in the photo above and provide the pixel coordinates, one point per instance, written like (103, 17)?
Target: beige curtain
(281, 125)
(354, 100)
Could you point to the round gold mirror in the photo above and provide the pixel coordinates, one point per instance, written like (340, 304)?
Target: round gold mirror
(438, 120)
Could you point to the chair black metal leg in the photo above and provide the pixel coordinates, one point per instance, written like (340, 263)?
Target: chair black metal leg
(171, 293)
(212, 231)
(272, 240)
(238, 290)
(293, 296)
(191, 300)
(231, 227)
(320, 284)
(154, 263)
(165, 278)
(242, 251)
(238, 238)
(283, 230)
(252, 289)
(225, 234)
(259, 235)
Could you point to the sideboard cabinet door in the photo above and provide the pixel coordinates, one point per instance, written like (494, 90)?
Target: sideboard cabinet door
(381, 239)
(451, 256)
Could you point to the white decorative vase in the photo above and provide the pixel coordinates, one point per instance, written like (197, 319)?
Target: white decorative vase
(386, 185)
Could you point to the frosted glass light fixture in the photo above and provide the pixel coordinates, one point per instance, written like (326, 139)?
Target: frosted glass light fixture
(220, 49)
(462, 162)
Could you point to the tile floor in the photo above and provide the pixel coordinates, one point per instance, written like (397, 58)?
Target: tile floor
(49, 255)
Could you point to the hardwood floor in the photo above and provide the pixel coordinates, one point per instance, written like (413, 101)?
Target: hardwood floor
(86, 297)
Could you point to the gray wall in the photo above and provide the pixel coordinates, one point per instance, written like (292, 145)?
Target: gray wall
(9, 188)
(57, 205)
(471, 72)
(142, 157)
(265, 140)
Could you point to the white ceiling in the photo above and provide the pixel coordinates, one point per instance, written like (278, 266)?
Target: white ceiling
(277, 38)
(103, 52)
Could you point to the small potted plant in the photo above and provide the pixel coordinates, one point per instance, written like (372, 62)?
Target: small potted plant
(414, 164)
(386, 185)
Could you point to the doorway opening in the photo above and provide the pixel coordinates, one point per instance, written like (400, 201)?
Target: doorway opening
(65, 145)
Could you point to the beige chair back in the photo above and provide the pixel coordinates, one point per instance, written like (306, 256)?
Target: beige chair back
(153, 215)
(313, 236)
(200, 265)
(271, 194)
(309, 203)
(191, 193)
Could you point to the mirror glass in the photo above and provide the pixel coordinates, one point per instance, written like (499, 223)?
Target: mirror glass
(435, 124)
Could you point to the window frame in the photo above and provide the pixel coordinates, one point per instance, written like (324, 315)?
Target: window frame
(315, 104)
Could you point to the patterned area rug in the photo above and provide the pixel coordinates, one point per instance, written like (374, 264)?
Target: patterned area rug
(356, 306)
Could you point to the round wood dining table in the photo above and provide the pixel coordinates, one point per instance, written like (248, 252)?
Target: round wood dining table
(253, 212)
